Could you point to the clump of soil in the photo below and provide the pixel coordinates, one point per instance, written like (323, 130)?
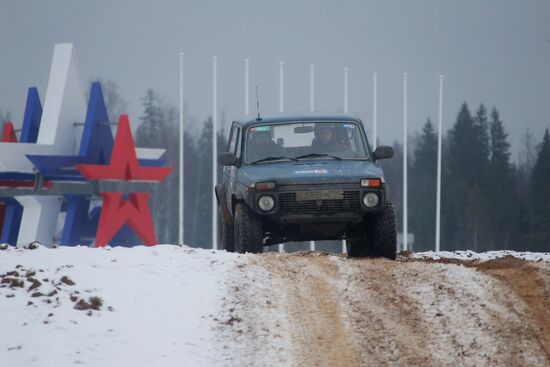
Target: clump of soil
(32, 246)
(93, 303)
(65, 279)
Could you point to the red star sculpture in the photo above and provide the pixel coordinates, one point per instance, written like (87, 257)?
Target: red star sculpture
(124, 165)
(116, 212)
(8, 133)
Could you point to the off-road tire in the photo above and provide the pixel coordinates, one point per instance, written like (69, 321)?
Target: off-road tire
(247, 230)
(227, 235)
(384, 233)
(357, 246)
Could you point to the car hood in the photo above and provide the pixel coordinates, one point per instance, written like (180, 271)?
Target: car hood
(310, 172)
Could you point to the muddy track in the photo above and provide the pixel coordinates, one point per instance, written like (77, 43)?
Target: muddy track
(312, 301)
(312, 309)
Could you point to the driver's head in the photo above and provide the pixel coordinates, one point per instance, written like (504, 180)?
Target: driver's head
(262, 137)
(324, 133)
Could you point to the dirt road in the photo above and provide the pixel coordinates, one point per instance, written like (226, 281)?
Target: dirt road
(320, 310)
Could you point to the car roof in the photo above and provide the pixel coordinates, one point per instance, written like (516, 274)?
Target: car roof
(301, 118)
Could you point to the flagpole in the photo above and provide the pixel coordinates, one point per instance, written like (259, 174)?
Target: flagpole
(246, 88)
(374, 110)
(281, 86)
(405, 191)
(438, 199)
(311, 88)
(346, 70)
(311, 109)
(181, 198)
(214, 150)
(281, 109)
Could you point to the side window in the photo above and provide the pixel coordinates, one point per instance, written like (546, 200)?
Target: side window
(238, 131)
(233, 139)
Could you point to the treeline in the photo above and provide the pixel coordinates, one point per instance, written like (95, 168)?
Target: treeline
(159, 128)
(487, 201)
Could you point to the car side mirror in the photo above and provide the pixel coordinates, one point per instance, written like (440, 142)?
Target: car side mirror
(383, 152)
(227, 159)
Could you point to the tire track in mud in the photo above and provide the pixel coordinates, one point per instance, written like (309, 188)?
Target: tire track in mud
(319, 335)
(531, 283)
(310, 309)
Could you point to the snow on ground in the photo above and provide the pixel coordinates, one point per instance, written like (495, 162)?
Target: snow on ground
(174, 305)
(158, 305)
(482, 256)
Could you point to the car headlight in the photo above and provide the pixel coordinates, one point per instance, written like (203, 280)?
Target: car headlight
(266, 203)
(370, 199)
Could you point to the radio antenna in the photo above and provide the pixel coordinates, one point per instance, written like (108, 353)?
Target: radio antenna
(258, 104)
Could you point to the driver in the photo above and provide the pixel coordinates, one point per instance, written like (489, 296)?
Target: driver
(262, 146)
(325, 138)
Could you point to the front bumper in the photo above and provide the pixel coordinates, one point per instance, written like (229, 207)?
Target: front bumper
(295, 204)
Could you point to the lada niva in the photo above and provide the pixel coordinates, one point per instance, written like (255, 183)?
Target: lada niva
(303, 179)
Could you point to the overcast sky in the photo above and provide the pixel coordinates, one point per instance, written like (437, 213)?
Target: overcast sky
(491, 51)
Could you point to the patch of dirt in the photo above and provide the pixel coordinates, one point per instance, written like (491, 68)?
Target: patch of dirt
(319, 334)
(317, 309)
(93, 303)
(50, 291)
(531, 283)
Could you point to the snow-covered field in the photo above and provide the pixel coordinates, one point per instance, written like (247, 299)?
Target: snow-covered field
(175, 305)
(158, 306)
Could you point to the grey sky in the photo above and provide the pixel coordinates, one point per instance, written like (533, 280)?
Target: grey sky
(492, 51)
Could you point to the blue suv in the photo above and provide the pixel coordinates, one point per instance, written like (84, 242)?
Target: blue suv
(301, 179)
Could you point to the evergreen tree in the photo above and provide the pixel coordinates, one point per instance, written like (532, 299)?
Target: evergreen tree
(465, 221)
(422, 198)
(502, 186)
(539, 193)
(528, 152)
(158, 130)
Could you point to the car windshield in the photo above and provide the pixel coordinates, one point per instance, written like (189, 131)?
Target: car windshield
(305, 140)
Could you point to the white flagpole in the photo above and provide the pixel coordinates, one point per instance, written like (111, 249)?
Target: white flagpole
(281, 86)
(346, 89)
(346, 69)
(181, 227)
(438, 199)
(311, 88)
(281, 109)
(405, 223)
(246, 88)
(374, 110)
(311, 109)
(214, 150)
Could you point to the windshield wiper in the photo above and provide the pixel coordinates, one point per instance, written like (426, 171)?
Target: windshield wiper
(273, 159)
(310, 155)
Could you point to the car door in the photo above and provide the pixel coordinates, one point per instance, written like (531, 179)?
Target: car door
(230, 172)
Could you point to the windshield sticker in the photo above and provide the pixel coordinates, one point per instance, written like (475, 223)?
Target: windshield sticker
(349, 126)
(261, 128)
(314, 171)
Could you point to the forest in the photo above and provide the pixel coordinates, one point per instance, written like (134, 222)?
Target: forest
(488, 200)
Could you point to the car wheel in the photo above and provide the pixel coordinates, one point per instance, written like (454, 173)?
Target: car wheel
(247, 231)
(357, 247)
(227, 234)
(384, 233)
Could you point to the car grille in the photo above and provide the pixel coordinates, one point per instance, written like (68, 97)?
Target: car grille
(289, 205)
